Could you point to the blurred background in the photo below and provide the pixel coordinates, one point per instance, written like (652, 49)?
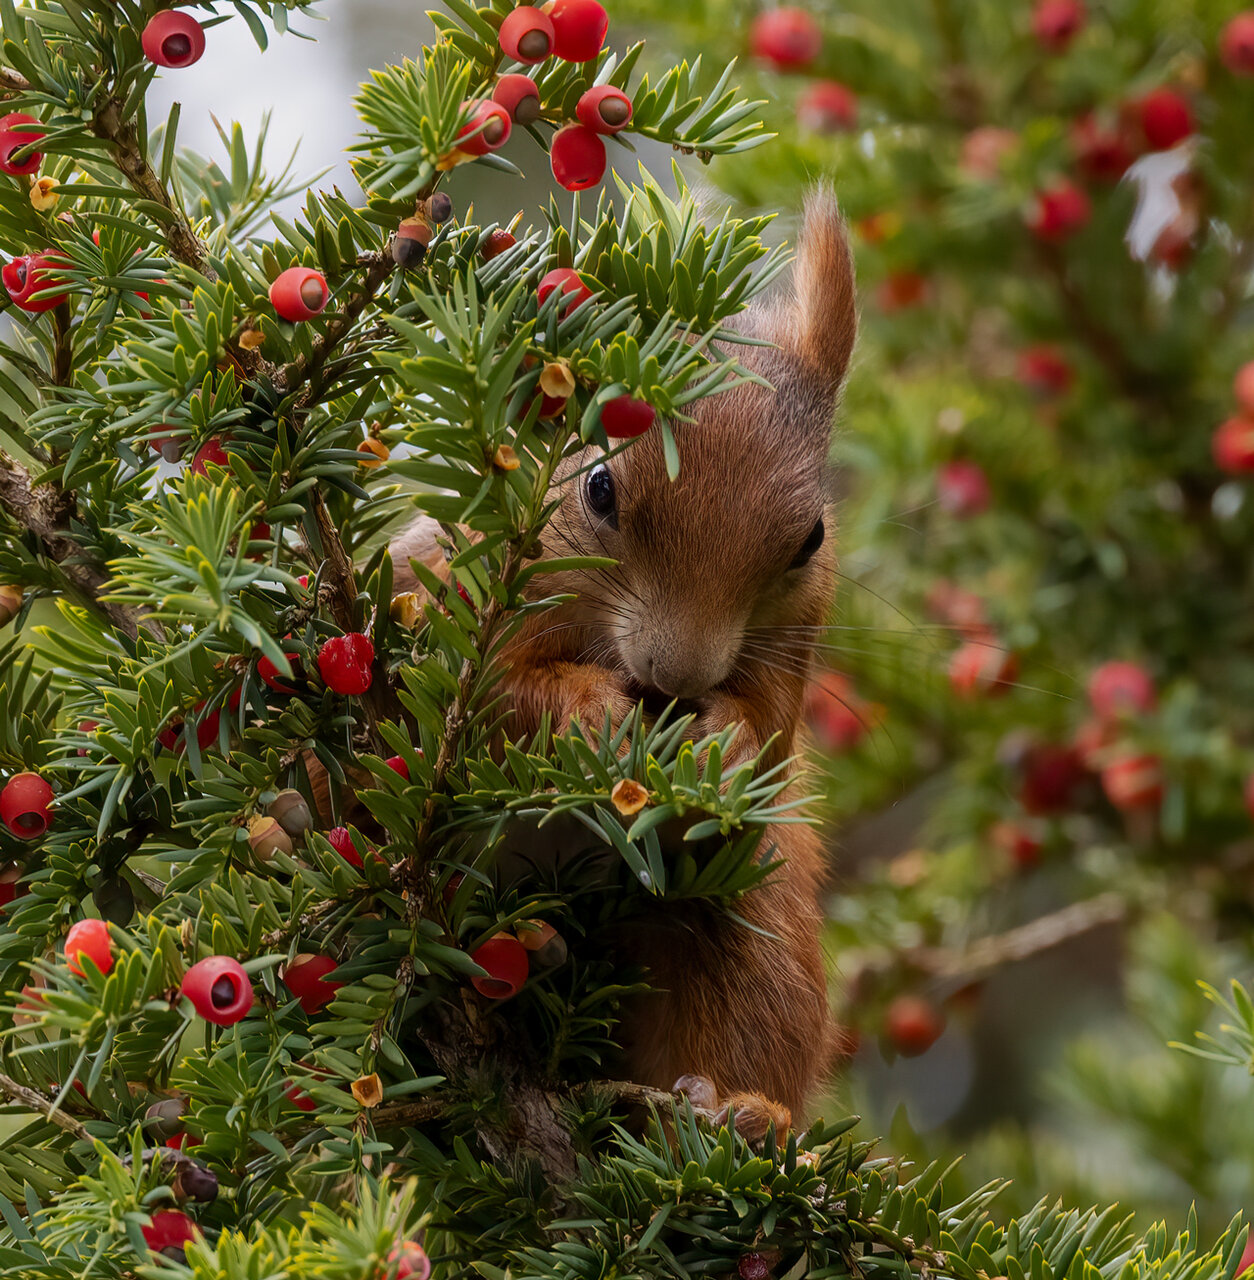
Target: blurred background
(1034, 731)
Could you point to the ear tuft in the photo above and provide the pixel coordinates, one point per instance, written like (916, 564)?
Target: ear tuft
(825, 320)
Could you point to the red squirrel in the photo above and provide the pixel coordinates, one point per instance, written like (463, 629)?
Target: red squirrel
(723, 583)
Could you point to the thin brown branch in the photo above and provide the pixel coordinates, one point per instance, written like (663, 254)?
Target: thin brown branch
(413, 1111)
(35, 1101)
(48, 513)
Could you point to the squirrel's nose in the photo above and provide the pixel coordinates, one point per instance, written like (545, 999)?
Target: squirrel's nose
(686, 680)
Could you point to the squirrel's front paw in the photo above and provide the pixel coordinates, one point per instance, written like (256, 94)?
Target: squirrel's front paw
(597, 694)
(718, 712)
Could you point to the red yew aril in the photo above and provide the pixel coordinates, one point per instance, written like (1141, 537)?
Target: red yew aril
(173, 38)
(979, 668)
(1243, 389)
(962, 489)
(1019, 842)
(913, 1025)
(827, 106)
(574, 292)
(270, 676)
(983, 150)
(30, 274)
(496, 244)
(577, 157)
(90, 939)
(342, 842)
(1050, 773)
(15, 134)
(1102, 151)
(397, 765)
(901, 290)
(1166, 119)
(519, 96)
(1232, 446)
(1059, 211)
(306, 978)
(1092, 742)
(788, 38)
(1118, 689)
(170, 1232)
(1055, 23)
(1044, 370)
(1134, 782)
(26, 805)
(219, 990)
(526, 35)
(604, 109)
(505, 959)
(408, 1261)
(1236, 44)
(488, 128)
(344, 662)
(299, 293)
(579, 29)
(838, 717)
(210, 453)
(625, 417)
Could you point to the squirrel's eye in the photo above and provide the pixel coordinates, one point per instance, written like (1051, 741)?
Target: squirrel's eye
(599, 489)
(812, 543)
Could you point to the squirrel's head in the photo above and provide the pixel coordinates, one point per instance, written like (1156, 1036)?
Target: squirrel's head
(712, 564)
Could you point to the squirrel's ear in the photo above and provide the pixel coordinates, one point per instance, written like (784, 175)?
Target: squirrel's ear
(824, 319)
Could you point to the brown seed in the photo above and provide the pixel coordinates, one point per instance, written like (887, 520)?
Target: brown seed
(628, 796)
(313, 293)
(534, 45)
(494, 131)
(614, 111)
(528, 110)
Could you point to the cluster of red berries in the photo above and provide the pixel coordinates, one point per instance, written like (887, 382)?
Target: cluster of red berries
(1233, 442)
(789, 39)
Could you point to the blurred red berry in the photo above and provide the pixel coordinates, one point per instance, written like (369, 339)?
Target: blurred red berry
(1243, 388)
(839, 718)
(169, 1229)
(1134, 782)
(982, 668)
(1055, 23)
(901, 290)
(1118, 689)
(1232, 446)
(1045, 370)
(913, 1025)
(787, 38)
(1102, 151)
(1018, 841)
(1166, 118)
(962, 488)
(957, 607)
(1236, 51)
(1049, 775)
(408, 1261)
(984, 149)
(827, 106)
(625, 417)
(397, 765)
(1092, 742)
(1059, 211)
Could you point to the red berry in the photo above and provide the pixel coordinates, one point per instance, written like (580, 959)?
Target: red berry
(574, 292)
(488, 128)
(207, 728)
(1243, 388)
(169, 1229)
(913, 1025)
(827, 107)
(1059, 211)
(344, 663)
(269, 674)
(577, 157)
(836, 714)
(496, 243)
(579, 28)
(1232, 446)
(11, 887)
(1050, 774)
(1118, 689)
(526, 35)
(306, 978)
(958, 608)
(901, 290)
(1102, 151)
(1021, 843)
(299, 293)
(604, 109)
(962, 489)
(1236, 44)
(1248, 795)
(979, 667)
(409, 1261)
(1055, 23)
(26, 805)
(1134, 782)
(787, 38)
(13, 139)
(211, 452)
(1092, 741)
(31, 274)
(219, 990)
(173, 38)
(397, 765)
(90, 939)
(298, 1097)
(519, 96)
(1045, 371)
(342, 843)
(1166, 119)
(505, 959)
(625, 417)
(983, 150)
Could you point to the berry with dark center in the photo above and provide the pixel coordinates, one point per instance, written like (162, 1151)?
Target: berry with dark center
(1102, 151)
(26, 805)
(1059, 211)
(342, 842)
(1236, 44)
(505, 960)
(547, 946)
(1166, 119)
(827, 106)
(1055, 23)
(1232, 446)
(299, 293)
(409, 244)
(89, 939)
(1045, 371)
(219, 990)
(497, 242)
(526, 35)
(487, 130)
(306, 979)
(625, 417)
(604, 109)
(577, 157)
(408, 1261)
(169, 1233)
(1119, 689)
(913, 1025)
(210, 453)
(579, 29)
(981, 668)
(344, 662)
(173, 38)
(30, 274)
(574, 292)
(11, 887)
(787, 38)
(16, 134)
(167, 441)
(519, 96)
(1134, 782)
(962, 489)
